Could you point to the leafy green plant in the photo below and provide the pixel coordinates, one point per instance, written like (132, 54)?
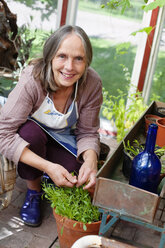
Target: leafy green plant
(127, 4)
(115, 109)
(153, 5)
(74, 203)
(114, 4)
(134, 149)
(26, 40)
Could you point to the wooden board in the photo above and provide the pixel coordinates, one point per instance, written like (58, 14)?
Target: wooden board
(125, 199)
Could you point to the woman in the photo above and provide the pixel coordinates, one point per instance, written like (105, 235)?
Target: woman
(50, 121)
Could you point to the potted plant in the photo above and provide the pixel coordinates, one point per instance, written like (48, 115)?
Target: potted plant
(160, 111)
(149, 118)
(130, 151)
(160, 140)
(74, 213)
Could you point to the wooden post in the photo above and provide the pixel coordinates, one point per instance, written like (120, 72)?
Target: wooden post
(147, 51)
(64, 12)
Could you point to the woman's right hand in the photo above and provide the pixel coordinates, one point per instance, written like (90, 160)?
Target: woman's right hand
(60, 176)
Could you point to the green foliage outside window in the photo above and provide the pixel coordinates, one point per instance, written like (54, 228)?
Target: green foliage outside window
(120, 114)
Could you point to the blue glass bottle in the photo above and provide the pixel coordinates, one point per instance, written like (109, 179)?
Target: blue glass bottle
(146, 166)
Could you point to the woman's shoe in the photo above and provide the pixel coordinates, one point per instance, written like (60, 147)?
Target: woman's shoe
(30, 211)
(46, 179)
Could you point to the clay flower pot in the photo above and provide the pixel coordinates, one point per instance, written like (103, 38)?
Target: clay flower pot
(69, 230)
(149, 118)
(160, 139)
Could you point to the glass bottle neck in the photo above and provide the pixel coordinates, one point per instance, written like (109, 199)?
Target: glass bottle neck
(151, 138)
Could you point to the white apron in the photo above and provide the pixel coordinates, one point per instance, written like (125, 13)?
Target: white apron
(58, 125)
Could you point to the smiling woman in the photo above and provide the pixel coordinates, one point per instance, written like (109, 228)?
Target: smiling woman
(69, 63)
(51, 119)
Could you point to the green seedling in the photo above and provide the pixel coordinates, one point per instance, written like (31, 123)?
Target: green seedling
(74, 203)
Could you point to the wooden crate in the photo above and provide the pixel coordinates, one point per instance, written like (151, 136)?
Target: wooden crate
(125, 199)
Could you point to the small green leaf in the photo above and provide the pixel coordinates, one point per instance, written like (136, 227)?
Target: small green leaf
(74, 224)
(147, 30)
(84, 227)
(154, 5)
(102, 6)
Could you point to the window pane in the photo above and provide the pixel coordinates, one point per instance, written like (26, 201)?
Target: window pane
(114, 46)
(158, 83)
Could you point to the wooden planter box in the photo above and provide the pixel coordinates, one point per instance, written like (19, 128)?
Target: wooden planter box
(112, 189)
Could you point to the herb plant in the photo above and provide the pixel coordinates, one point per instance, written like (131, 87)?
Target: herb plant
(136, 148)
(133, 150)
(74, 203)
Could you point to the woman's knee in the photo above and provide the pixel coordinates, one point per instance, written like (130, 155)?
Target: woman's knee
(33, 133)
(37, 139)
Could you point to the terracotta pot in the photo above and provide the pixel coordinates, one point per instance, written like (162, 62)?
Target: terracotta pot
(149, 118)
(73, 230)
(160, 139)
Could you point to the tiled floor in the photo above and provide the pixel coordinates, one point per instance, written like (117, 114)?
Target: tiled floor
(14, 234)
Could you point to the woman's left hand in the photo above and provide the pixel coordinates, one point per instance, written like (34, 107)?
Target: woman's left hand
(88, 170)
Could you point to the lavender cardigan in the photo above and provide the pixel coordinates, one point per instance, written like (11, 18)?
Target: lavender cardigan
(27, 97)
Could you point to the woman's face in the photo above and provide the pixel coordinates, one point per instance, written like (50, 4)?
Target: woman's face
(69, 63)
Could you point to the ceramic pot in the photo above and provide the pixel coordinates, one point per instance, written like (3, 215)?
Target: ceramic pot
(73, 230)
(88, 241)
(127, 161)
(149, 118)
(160, 139)
(160, 111)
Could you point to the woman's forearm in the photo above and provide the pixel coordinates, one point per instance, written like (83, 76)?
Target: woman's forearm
(91, 157)
(59, 175)
(32, 159)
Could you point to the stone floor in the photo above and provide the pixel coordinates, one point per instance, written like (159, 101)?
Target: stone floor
(14, 234)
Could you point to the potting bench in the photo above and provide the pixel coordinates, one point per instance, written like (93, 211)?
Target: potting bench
(115, 197)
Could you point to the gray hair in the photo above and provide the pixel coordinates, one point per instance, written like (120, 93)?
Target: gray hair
(43, 67)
